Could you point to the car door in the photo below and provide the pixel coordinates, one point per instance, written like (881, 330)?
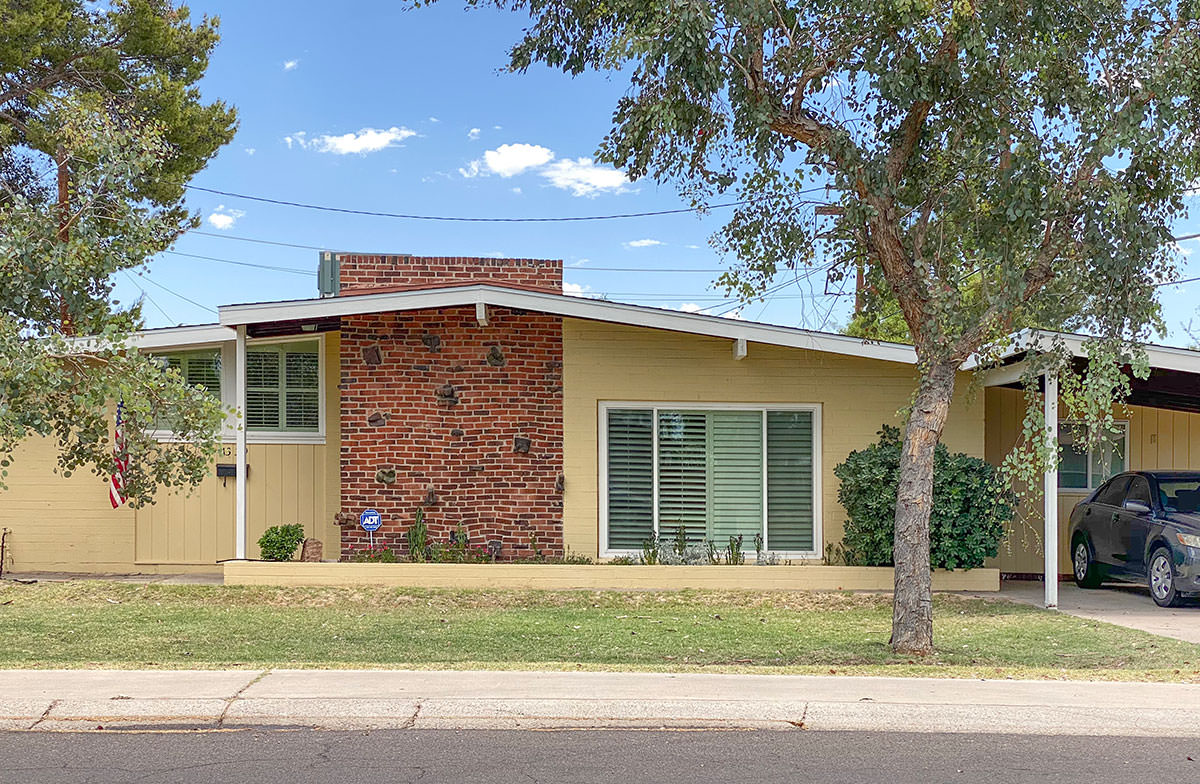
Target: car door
(1100, 519)
(1133, 526)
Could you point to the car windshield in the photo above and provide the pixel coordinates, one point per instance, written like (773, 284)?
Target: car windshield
(1179, 493)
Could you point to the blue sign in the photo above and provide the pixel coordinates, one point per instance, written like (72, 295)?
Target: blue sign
(370, 520)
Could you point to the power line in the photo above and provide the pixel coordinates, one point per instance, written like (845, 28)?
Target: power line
(152, 300)
(461, 219)
(177, 294)
(292, 270)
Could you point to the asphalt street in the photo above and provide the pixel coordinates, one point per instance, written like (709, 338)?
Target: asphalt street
(586, 757)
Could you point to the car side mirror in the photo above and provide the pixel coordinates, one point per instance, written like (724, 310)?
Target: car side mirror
(1137, 507)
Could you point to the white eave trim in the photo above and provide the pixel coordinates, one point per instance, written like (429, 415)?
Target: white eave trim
(168, 337)
(572, 307)
(1160, 357)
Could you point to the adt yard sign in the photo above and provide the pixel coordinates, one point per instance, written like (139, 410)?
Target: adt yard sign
(370, 520)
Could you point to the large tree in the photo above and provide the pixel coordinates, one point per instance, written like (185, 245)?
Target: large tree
(101, 126)
(992, 164)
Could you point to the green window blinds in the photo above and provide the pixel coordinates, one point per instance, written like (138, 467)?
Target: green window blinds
(198, 368)
(712, 473)
(283, 387)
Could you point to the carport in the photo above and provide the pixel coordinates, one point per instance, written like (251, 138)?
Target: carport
(1161, 430)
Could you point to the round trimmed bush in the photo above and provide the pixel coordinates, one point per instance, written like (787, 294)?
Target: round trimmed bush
(970, 506)
(279, 542)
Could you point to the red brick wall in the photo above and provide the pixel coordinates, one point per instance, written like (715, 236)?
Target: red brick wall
(443, 408)
(360, 273)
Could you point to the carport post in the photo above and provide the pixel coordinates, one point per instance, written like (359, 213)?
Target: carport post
(240, 480)
(1050, 493)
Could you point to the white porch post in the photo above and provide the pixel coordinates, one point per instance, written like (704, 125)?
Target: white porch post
(240, 483)
(1050, 494)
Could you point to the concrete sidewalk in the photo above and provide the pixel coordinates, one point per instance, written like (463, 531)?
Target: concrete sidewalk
(80, 700)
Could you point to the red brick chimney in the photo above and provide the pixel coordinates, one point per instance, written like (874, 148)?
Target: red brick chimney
(367, 274)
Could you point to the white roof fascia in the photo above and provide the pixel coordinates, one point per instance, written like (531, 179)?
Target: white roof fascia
(1162, 357)
(166, 337)
(573, 307)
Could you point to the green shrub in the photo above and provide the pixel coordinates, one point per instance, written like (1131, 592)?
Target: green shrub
(279, 542)
(374, 554)
(418, 538)
(970, 506)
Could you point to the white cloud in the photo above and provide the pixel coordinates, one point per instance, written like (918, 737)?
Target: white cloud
(642, 243)
(579, 263)
(690, 307)
(584, 178)
(223, 218)
(473, 134)
(434, 119)
(250, 150)
(360, 143)
(575, 289)
(290, 65)
(1181, 250)
(517, 191)
(693, 247)
(508, 160)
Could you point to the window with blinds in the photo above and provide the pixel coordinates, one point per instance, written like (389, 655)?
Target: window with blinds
(199, 368)
(283, 388)
(715, 473)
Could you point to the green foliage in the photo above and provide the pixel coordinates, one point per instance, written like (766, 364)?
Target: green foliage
(279, 542)
(139, 61)
(651, 550)
(66, 389)
(417, 537)
(374, 554)
(112, 87)
(967, 522)
(734, 555)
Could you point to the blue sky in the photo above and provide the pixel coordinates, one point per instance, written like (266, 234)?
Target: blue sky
(408, 111)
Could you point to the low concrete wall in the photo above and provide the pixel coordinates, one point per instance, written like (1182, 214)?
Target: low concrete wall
(595, 577)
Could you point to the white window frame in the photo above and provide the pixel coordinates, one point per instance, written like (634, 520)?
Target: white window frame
(692, 405)
(1122, 424)
(229, 397)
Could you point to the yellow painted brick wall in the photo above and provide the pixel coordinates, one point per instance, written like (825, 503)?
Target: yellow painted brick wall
(614, 362)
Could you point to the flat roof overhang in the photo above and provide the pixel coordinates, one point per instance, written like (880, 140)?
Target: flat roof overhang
(256, 317)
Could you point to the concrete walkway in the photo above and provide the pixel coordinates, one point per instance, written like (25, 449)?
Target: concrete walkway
(1119, 603)
(83, 700)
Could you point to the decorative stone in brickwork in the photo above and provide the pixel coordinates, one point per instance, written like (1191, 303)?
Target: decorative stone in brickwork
(464, 450)
(447, 395)
(432, 342)
(377, 419)
(560, 483)
(495, 356)
(386, 476)
(522, 445)
(372, 355)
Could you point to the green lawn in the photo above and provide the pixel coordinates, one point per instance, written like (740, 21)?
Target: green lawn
(96, 624)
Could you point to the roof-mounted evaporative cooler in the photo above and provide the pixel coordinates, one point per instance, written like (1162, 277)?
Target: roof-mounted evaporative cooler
(328, 273)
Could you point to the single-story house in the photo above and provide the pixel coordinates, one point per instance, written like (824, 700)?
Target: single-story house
(475, 390)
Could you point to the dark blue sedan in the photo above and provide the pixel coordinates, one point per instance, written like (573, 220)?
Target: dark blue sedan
(1141, 526)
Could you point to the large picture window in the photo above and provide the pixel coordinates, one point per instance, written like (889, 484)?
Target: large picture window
(1081, 467)
(715, 472)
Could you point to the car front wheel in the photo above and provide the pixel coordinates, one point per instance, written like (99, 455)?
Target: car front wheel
(1162, 578)
(1087, 573)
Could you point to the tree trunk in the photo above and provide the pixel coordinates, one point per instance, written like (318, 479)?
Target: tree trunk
(912, 608)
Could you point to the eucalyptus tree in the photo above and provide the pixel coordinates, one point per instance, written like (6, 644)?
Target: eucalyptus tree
(991, 165)
(101, 126)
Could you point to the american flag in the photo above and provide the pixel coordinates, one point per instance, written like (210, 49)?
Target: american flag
(116, 485)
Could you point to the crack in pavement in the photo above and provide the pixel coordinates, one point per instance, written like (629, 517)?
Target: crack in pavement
(53, 704)
(408, 725)
(229, 702)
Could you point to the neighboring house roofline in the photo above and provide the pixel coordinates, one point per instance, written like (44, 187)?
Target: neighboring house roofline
(1161, 357)
(563, 305)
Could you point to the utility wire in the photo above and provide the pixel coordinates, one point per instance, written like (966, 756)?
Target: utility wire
(461, 219)
(148, 279)
(152, 300)
(292, 270)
